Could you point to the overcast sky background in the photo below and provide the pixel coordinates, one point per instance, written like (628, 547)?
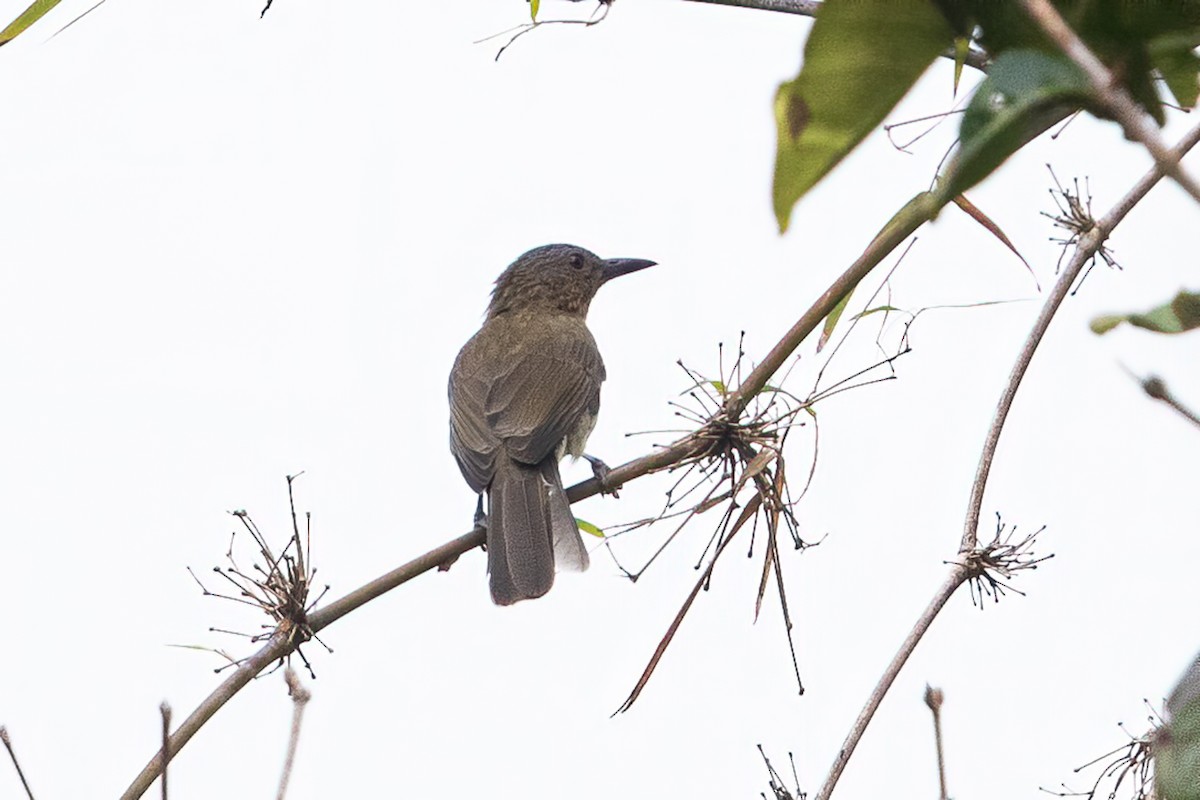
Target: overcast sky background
(235, 249)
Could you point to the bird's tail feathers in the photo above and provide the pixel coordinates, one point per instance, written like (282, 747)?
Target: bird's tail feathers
(569, 552)
(530, 529)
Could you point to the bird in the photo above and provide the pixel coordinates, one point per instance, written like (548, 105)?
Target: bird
(525, 392)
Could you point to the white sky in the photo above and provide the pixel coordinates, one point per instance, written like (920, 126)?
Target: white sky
(236, 249)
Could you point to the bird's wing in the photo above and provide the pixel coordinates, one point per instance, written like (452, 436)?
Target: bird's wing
(471, 440)
(545, 392)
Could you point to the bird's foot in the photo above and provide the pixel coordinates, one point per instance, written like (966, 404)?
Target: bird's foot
(480, 515)
(480, 524)
(601, 470)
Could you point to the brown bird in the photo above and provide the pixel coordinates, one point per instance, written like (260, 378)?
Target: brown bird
(524, 392)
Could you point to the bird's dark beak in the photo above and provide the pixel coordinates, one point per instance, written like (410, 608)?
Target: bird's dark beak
(616, 267)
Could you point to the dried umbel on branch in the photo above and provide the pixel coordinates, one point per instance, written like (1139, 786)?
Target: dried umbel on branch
(737, 465)
(731, 455)
(1075, 217)
(280, 586)
(998, 561)
(1126, 772)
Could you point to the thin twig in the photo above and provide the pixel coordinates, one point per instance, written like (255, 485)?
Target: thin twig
(1089, 244)
(81, 16)
(4, 738)
(1155, 387)
(1133, 119)
(164, 710)
(808, 8)
(300, 697)
(934, 699)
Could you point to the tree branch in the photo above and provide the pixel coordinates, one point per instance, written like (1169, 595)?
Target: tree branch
(919, 210)
(916, 212)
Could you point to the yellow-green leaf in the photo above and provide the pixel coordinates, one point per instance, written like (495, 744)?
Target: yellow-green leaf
(877, 310)
(831, 321)
(861, 57)
(1177, 743)
(1179, 66)
(1180, 315)
(533, 9)
(962, 46)
(1105, 323)
(36, 10)
(588, 527)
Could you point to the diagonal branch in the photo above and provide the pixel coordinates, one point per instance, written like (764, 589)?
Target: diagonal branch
(958, 575)
(912, 216)
(915, 213)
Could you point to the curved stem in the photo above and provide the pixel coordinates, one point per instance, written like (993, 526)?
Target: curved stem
(1089, 245)
(958, 574)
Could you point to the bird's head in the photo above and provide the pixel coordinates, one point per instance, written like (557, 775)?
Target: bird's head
(560, 278)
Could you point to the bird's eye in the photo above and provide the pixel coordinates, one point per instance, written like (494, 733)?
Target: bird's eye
(576, 260)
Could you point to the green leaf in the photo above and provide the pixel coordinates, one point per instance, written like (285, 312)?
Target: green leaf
(1105, 323)
(876, 310)
(533, 9)
(1179, 65)
(1025, 93)
(588, 527)
(1177, 743)
(1180, 315)
(36, 10)
(861, 57)
(831, 321)
(962, 46)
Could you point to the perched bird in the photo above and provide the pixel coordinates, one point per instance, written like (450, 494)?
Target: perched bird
(524, 392)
